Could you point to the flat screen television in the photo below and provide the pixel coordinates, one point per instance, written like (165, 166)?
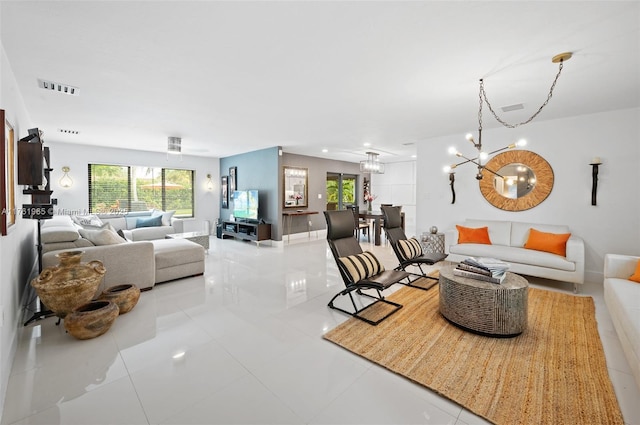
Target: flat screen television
(245, 204)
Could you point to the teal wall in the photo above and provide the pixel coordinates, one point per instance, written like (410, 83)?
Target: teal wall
(257, 170)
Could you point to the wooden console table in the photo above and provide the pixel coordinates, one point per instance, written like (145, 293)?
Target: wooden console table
(288, 216)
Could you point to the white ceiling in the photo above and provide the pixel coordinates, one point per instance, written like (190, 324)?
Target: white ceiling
(232, 77)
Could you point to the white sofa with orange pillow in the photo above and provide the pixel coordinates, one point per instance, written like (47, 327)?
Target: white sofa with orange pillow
(549, 251)
(622, 298)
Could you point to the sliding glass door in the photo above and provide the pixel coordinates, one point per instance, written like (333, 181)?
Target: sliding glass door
(341, 190)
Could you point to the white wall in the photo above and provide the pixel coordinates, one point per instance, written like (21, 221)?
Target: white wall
(568, 145)
(17, 248)
(397, 186)
(77, 157)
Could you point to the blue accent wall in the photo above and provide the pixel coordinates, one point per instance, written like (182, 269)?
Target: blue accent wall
(257, 170)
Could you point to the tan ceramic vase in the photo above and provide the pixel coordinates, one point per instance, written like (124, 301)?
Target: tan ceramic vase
(69, 284)
(125, 296)
(92, 319)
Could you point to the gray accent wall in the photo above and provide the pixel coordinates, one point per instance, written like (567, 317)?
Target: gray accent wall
(318, 169)
(262, 170)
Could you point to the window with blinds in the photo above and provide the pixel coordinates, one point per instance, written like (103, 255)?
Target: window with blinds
(120, 189)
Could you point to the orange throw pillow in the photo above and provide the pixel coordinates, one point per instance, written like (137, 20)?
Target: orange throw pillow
(473, 235)
(636, 276)
(555, 243)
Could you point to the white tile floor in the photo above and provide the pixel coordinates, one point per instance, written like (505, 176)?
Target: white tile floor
(241, 344)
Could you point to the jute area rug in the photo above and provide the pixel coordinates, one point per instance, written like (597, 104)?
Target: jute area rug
(553, 373)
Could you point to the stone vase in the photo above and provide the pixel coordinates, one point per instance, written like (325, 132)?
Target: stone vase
(69, 284)
(92, 319)
(125, 296)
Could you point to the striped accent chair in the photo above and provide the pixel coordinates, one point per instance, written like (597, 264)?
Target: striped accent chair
(359, 270)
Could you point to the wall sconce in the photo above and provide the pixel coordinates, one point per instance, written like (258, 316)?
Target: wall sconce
(452, 180)
(65, 181)
(209, 183)
(595, 162)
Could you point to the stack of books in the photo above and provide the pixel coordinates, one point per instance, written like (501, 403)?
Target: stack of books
(487, 269)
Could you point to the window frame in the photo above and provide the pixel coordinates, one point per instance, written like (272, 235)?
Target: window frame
(129, 171)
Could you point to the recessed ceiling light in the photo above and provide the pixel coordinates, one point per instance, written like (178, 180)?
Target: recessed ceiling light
(366, 144)
(58, 87)
(414, 156)
(325, 150)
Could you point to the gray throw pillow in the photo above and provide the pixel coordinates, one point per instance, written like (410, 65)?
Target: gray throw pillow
(101, 237)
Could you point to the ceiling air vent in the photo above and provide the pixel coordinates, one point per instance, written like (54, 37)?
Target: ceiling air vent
(58, 87)
(510, 108)
(65, 131)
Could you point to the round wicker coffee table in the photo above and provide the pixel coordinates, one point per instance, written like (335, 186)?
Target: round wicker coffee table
(483, 307)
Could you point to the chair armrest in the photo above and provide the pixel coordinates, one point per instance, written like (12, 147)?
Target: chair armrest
(619, 266)
(178, 225)
(450, 238)
(575, 249)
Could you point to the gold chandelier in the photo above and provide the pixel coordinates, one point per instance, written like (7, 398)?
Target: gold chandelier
(481, 158)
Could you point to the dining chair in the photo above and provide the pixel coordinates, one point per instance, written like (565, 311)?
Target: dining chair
(361, 225)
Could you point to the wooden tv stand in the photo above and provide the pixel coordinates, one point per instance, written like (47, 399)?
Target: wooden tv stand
(246, 231)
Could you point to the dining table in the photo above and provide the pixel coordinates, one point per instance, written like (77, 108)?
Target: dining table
(378, 219)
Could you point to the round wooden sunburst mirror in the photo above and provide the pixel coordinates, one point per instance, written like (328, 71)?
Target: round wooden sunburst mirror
(540, 181)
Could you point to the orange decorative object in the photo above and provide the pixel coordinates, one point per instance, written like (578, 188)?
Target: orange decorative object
(473, 235)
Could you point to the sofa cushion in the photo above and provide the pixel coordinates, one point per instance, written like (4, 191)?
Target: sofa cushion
(148, 222)
(520, 231)
(409, 248)
(59, 233)
(514, 255)
(361, 266)
(176, 252)
(101, 237)
(118, 223)
(473, 235)
(499, 231)
(555, 243)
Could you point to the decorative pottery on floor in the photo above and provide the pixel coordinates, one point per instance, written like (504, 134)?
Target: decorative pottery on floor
(125, 296)
(69, 284)
(92, 319)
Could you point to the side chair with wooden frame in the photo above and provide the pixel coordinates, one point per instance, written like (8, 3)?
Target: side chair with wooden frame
(359, 270)
(361, 225)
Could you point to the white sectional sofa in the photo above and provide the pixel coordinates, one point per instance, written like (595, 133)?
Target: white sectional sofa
(142, 262)
(622, 298)
(507, 243)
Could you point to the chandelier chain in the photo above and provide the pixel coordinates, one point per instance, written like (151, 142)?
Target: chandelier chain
(483, 94)
(480, 108)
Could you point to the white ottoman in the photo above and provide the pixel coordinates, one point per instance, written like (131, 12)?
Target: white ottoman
(177, 258)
